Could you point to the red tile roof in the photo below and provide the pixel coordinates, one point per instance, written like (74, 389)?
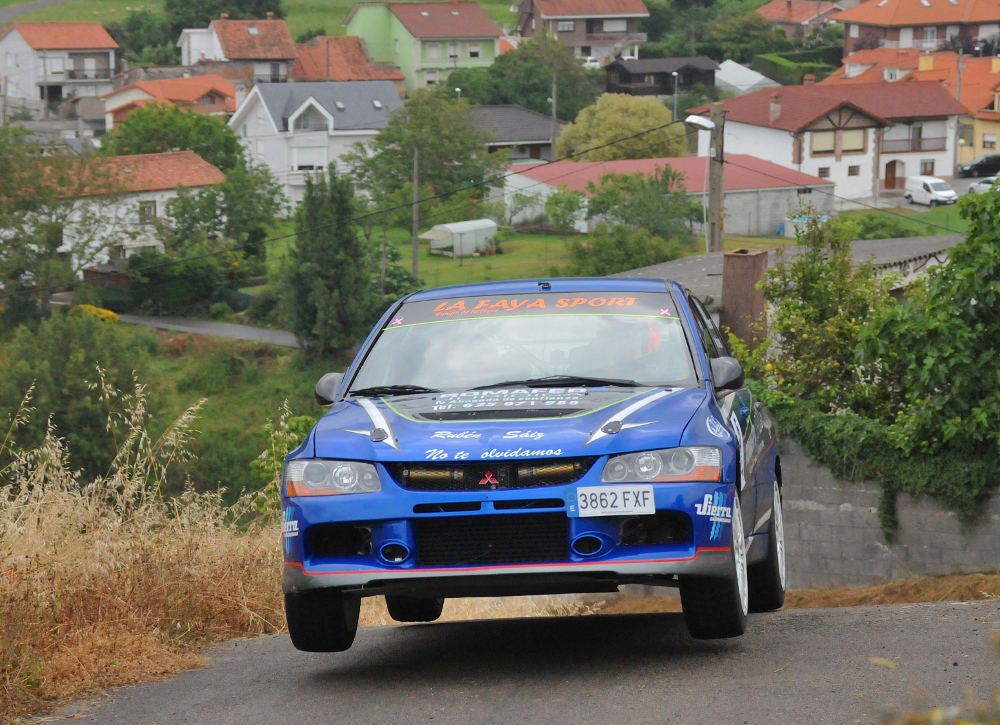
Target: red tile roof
(591, 8)
(800, 106)
(340, 59)
(254, 39)
(445, 20)
(797, 12)
(160, 172)
(186, 91)
(66, 36)
(906, 13)
(743, 172)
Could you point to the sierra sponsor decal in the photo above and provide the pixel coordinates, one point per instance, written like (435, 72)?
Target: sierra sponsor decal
(713, 506)
(509, 398)
(289, 529)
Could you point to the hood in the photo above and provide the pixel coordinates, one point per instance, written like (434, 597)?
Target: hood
(506, 424)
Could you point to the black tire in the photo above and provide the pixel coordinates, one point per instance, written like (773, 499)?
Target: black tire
(717, 608)
(323, 620)
(767, 579)
(413, 609)
(909, 198)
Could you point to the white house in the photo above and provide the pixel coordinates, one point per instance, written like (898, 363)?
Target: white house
(114, 215)
(264, 45)
(758, 195)
(864, 137)
(298, 128)
(46, 63)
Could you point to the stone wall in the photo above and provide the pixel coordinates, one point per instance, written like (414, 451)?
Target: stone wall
(833, 536)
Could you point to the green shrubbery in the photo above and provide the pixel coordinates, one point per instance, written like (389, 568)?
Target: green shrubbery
(907, 393)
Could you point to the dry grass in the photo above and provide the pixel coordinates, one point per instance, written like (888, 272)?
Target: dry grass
(106, 583)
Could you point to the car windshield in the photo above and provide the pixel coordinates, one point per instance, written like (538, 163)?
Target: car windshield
(940, 186)
(541, 340)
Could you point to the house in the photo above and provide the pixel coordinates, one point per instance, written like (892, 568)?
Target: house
(865, 137)
(976, 85)
(211, 94)
(758, 195)
(524, 133)
(922, 24)
(601, 29)
(661, 77)
(326, 58)
(265, 46)
(731, 77)
(118, 214)
(799, 18)
(46, 63)
(299, 128)
(426, 40)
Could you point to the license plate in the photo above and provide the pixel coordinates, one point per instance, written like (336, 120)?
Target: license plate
(614, 500)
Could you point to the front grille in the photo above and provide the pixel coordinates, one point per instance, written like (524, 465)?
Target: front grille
(489, 477)
(480, 540)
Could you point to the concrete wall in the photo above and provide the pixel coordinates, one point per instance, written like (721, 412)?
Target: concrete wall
(833, 536)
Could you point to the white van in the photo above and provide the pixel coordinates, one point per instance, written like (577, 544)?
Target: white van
(929, 190)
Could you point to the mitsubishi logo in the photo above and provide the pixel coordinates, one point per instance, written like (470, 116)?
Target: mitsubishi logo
(488, 479)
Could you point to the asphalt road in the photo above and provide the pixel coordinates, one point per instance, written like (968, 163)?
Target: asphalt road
(797, 666)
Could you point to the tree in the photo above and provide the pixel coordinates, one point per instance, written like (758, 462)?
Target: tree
(610, 250)
(620, 126)
(562, 207)
(183, 14)
(742, 36)
(161, 127)
(145, 38)
(328, 292)
(658, 203)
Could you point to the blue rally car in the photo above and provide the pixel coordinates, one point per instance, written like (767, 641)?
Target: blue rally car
(534, 437)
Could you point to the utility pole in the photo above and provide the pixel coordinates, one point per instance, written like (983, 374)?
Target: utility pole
(415, 230)
(715, 180)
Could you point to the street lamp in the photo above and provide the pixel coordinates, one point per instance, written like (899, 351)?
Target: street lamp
(713, 239)
(674, 74)
(458, 92)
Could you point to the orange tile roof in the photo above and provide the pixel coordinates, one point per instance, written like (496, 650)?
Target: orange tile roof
(803, 105)
(906, 13)
(254, 39)
(186, 90)
(160, 172)
(591, 8)
(340, 59)
(445, 20)
(66, 36)
(797, 12)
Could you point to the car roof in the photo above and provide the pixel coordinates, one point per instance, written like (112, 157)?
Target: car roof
(554, 284)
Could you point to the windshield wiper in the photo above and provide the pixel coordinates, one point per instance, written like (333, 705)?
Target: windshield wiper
(563, 381)
(378, 390)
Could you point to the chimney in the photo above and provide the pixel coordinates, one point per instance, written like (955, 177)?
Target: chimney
(926, 62)
(270, 15)
(775, 107)
(808, 79)
(224, 16)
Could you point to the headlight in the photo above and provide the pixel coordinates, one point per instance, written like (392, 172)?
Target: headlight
(692, 463)
(316, 477)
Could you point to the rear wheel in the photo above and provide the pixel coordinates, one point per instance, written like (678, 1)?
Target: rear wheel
(322, 620)
(413, 609)
(716, 608)
(767, 579)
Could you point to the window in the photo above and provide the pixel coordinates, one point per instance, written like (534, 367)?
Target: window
(474, 50)
(432, 50)
(927, 167)
(823, 172)
(853, 30)
(989, 140)
(207, 100)
(147, 212)
(822, 142)
(310, 120)
(852, 139)
(854, 170)
(615, 26)
(930, 34)
(566, 26)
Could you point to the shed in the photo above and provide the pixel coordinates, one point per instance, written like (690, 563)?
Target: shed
(461, 239)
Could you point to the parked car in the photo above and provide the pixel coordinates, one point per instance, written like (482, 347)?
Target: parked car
(981, 186)
(591, 63)
(985, 165)
(929, 191)
(534, 437)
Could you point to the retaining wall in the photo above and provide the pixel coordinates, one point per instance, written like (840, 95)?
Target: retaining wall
(833, 535)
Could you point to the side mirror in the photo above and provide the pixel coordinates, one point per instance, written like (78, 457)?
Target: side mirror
(326, 388)
(727, 373)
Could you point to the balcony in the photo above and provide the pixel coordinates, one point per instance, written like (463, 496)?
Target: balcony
(904, 145)
(622, 37)
(88, 74)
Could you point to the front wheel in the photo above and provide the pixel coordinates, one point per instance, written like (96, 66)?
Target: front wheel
(717, 608)
(767, 579)
(413, 609)
(322, 620)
